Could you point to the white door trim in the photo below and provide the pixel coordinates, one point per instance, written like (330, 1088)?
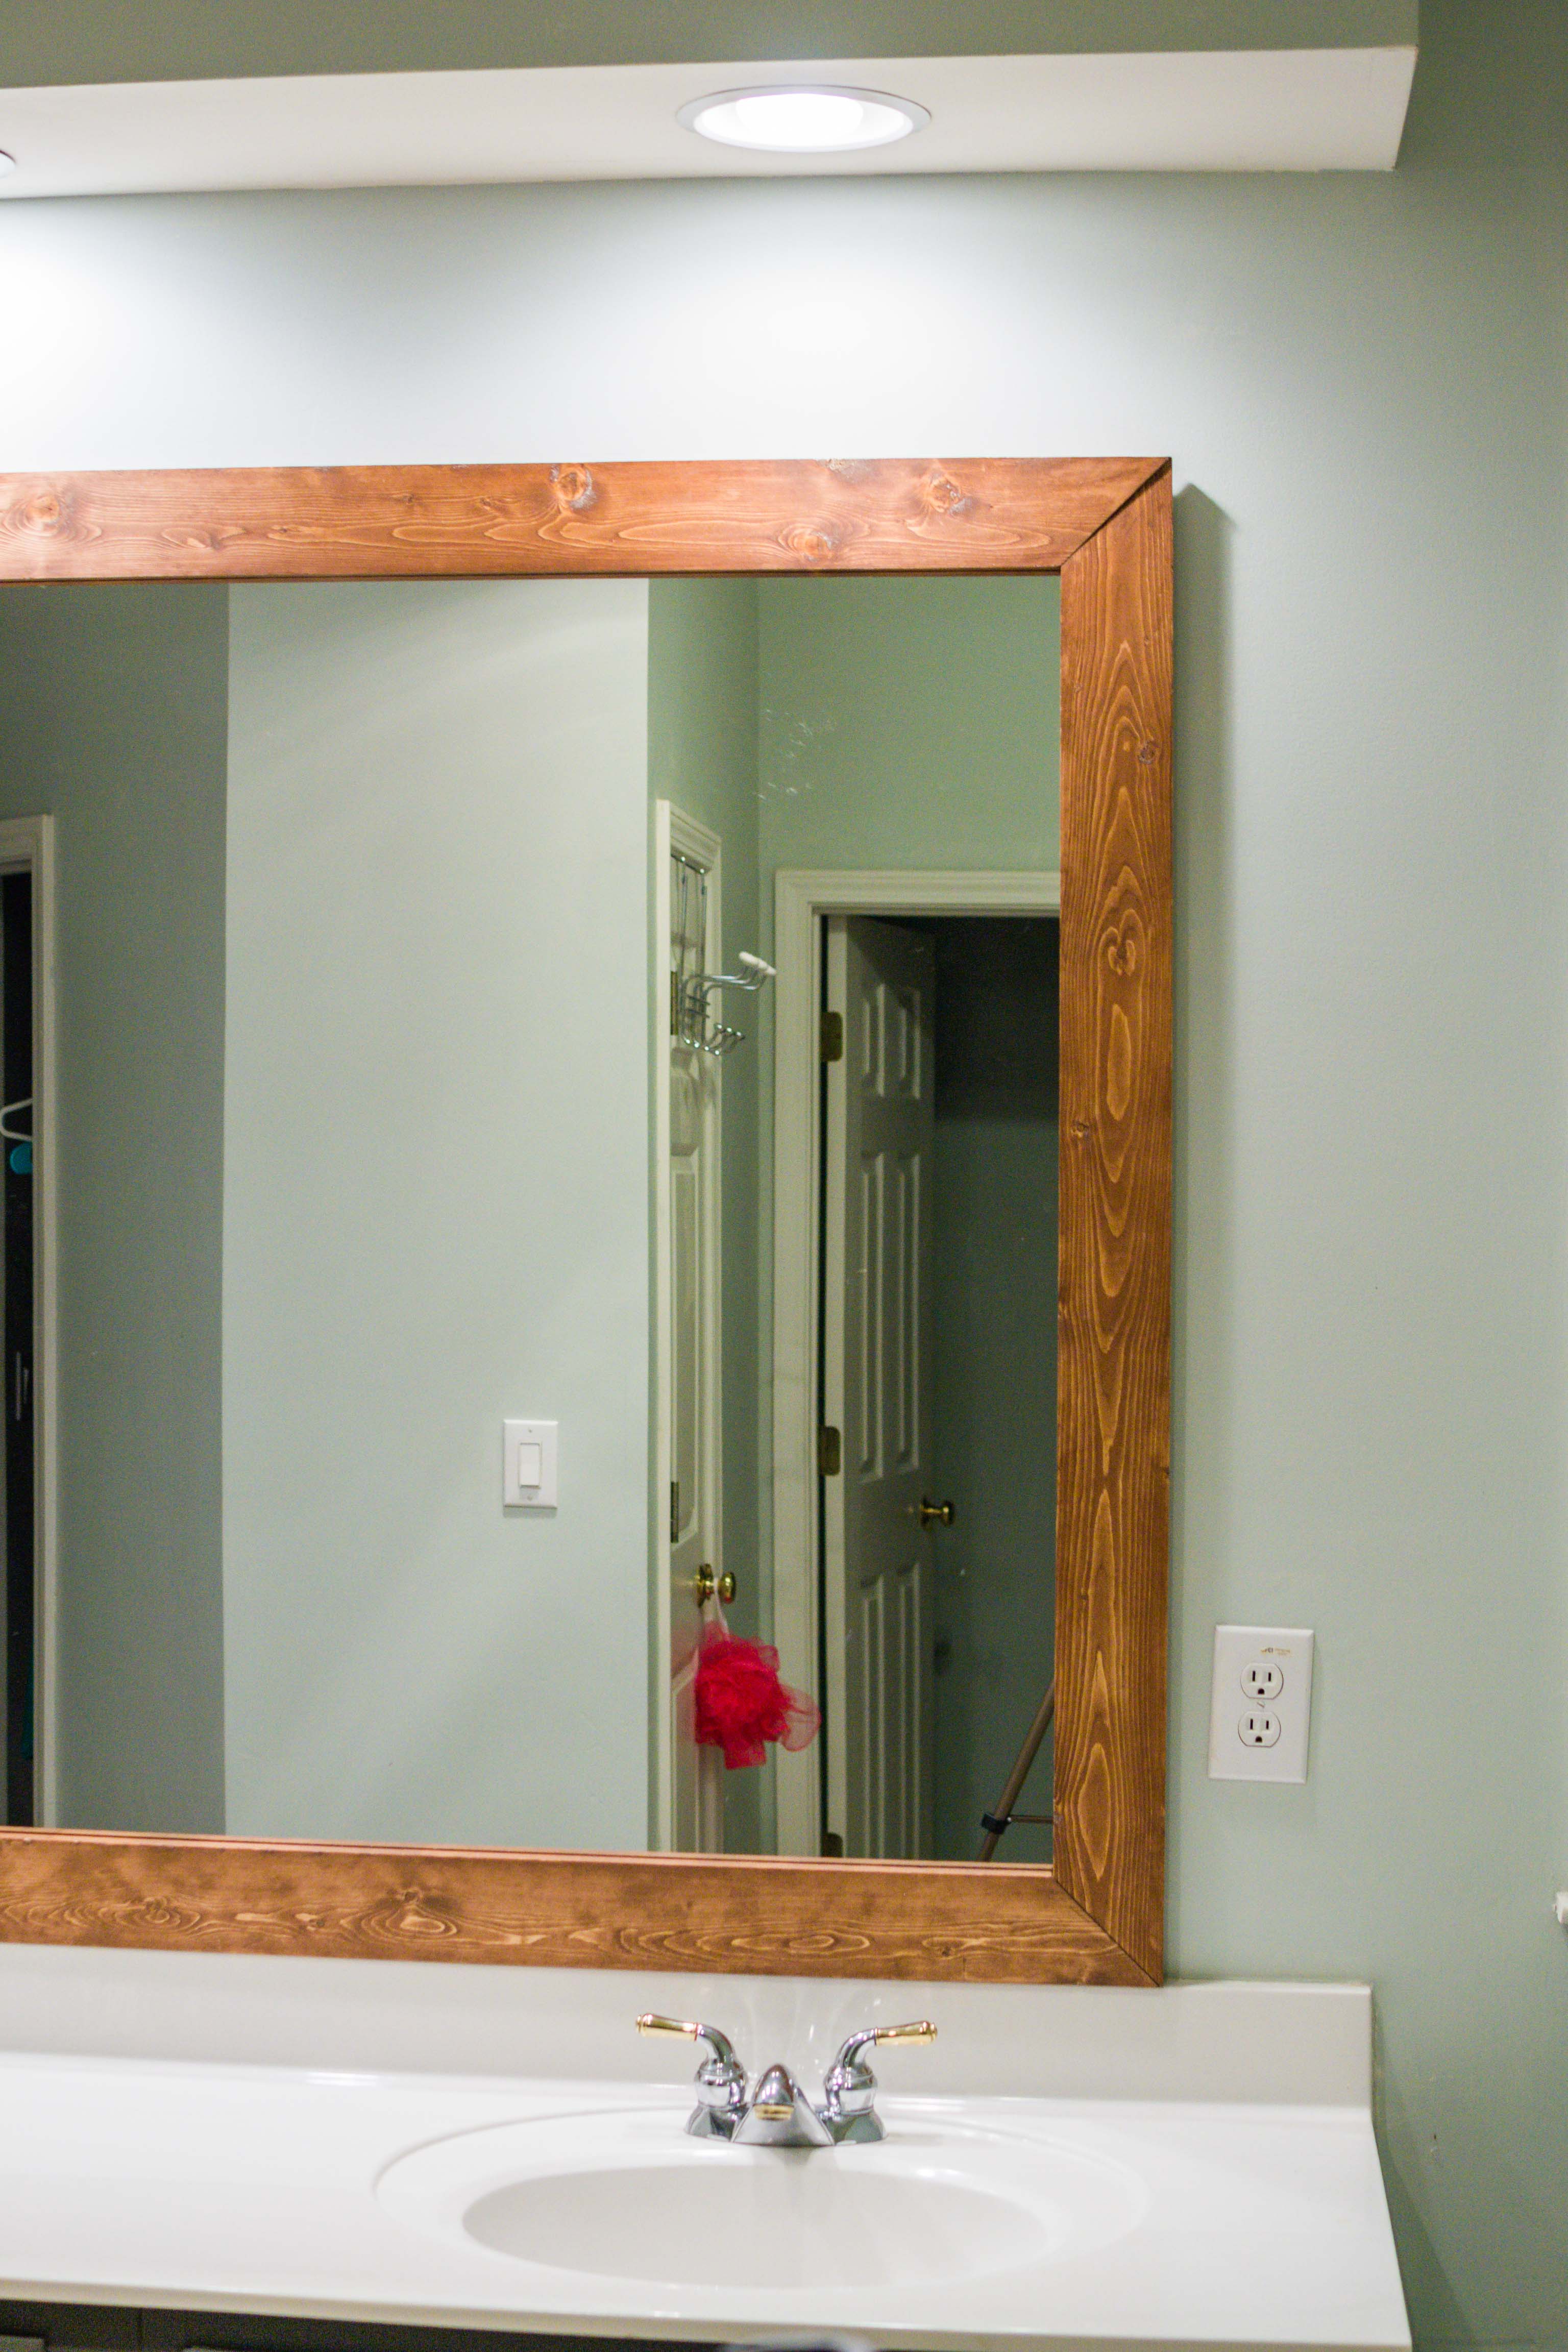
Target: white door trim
(674, 831)
(801, 898)
(27, 844)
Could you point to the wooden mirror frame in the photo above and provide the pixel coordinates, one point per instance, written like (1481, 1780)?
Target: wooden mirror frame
(1096, 1915)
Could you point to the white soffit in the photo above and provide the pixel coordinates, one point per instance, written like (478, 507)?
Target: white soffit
(1194, 110)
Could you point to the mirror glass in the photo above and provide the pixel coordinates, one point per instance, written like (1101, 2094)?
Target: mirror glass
(530, 1301)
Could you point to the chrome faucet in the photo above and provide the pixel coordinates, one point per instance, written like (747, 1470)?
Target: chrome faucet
(778, 2113)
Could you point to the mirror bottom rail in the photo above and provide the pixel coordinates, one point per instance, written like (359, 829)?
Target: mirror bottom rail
(756, 1915)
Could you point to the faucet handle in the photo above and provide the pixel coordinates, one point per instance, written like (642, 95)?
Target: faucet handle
(720, 2077)
(722, 2047)
(849, 2088)
(920, 2030)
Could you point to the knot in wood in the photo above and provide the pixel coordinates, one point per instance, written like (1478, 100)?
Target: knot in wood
(417, 1916)
(813, 542)
(155, 1911)
(573, 486)
(1123, 953)
(943, 496)
(43, 513)
(1145, 755)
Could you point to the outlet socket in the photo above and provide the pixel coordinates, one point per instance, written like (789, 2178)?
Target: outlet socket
(1260, 1708)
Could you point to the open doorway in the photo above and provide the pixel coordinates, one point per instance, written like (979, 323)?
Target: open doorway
(26, 1317)
(915, 1460)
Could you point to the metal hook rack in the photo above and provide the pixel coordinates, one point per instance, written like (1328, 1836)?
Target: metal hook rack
(700, 1028)
(693, 1021)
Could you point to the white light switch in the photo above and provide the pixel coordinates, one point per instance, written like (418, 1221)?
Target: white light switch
(529, 1464)
(1261, 1708)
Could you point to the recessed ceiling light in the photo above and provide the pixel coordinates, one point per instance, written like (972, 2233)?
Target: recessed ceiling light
(803, 119)
(8, 163)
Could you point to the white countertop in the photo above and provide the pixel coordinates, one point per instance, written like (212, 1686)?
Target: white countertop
(199, 2183)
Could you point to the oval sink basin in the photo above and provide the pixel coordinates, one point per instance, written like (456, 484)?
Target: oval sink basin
(628, 2196)
(759, 2223)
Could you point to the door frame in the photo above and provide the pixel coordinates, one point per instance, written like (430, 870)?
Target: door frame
(802, 898)
(676, 834)
(27, 847)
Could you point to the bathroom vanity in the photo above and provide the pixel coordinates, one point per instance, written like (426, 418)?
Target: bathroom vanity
(497, 2149)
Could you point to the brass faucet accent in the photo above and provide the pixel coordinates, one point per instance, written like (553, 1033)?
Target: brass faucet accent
(778, 2113)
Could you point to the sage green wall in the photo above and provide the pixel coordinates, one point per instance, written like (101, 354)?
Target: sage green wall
(114, 723)
(434, 1210)
(165, 41)
(1363, 383)
(909, 722)
(703, 756)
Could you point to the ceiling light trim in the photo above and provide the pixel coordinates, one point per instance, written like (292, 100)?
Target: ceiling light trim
(884, 118)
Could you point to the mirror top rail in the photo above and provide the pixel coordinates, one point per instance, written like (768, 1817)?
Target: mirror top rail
(887, 515)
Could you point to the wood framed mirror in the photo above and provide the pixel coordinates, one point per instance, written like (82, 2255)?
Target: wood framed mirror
(1095, 1914)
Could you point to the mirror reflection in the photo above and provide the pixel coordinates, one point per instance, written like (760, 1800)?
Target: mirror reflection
(529, 1212)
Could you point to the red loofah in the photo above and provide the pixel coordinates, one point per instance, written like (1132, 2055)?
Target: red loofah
(741, 1704)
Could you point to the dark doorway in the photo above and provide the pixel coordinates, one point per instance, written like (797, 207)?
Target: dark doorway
(16, 1132)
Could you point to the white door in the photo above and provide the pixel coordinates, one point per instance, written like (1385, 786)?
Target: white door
(877, 1387)
(690, 1371)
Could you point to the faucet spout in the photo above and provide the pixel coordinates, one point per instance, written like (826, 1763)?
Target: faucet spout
(781, 2116)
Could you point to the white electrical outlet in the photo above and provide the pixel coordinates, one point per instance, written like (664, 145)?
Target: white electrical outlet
(1261, 1708)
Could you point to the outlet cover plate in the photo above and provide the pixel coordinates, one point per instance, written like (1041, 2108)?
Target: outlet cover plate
(1236, 1648)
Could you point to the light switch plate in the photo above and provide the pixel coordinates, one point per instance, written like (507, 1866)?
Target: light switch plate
(530, 1451)
(1258, 1731)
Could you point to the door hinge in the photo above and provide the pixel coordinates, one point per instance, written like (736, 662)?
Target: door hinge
(674, 1005)
(829, 1450)
(674, 1510)
(832, 1036)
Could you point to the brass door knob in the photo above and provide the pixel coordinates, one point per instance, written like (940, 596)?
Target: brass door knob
(935, 1515)
(705, 1584)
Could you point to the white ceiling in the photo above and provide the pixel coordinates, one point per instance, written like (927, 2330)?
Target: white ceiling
(1208, 110)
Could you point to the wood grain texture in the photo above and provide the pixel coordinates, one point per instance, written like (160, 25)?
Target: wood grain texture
(1105, 525)
(1113, 1363)
(467, 521)
(551, 1910)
